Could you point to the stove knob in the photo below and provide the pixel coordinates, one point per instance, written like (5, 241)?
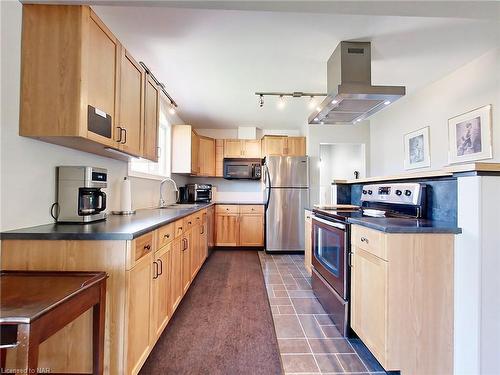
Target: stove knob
(399, 192)
(407, 193)
(370, 192)
(364, 192)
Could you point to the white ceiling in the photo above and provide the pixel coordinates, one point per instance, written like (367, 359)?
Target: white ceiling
(213, 60)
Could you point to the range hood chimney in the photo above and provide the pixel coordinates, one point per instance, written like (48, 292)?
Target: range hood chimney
(351, 96)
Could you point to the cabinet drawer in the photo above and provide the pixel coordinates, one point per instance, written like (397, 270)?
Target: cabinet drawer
(252, 209)
(189, 222)
(143, 245)
(165, 234)
(198, 217)
(227, 209)
(369, 240)
(179, 228)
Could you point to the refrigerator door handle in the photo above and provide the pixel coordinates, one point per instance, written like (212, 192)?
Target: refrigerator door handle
(268, 186)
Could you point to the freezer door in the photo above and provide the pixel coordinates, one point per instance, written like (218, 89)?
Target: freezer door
(285, 219)
(287, 171)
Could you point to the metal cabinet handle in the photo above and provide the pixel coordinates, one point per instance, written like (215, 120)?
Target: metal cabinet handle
(189, 222)
(125, 140)
(364, 239)
(147, 247)
(161, 267)
(202, 229)
(166, 235)
(119, 140)
(155, 271)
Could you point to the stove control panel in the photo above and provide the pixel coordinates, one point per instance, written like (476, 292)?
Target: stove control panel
(396, 193)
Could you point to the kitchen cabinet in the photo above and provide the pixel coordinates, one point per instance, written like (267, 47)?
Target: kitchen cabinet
(83, 91)
(283, 146)
(242, 148)
(151, 150)
(187, 248)
(239, 225)
(195, 153)
(219, 158)
(185, 150)
(161, 294)
(308, 241)
(176, 287)
(131, 107)
(137, 307)
(404, 283)
(206, 157)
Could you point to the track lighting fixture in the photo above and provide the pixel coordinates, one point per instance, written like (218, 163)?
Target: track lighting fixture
(296, 94)
(173, 104)
(171, 110)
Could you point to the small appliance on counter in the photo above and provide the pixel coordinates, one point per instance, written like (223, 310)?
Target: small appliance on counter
(242, 169)
(79, 195)
(183, 195)
(199, 193)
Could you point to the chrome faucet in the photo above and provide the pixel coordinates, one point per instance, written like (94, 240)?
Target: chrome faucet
(162, 202)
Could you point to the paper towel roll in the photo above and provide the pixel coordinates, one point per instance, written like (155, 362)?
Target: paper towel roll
(125, 195)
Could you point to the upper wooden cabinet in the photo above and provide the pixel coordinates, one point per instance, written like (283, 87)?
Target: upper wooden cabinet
(283, 146)
(151, 120)
(219, 158)
(206, 157)
(80, 87)
(131, 95)
(242, 148)
(195, 153)
(185, 150)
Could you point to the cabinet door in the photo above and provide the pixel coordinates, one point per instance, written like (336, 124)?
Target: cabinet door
(251, 230)
(203, 243)
(195, 153)
(227, 229)
(233, 148)
(295, 146)
(138, 304)
(308, 242)
(219, 157)
(187, 247)
(273, 145)
(369, 301)
(176, 287)
(195, 250)
(103, 59)
(151, 120)
(207, 156)
(252, 148)
(131, 95)
(161, 296)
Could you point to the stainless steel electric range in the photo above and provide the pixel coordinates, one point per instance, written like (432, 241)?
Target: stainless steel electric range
(331, 241)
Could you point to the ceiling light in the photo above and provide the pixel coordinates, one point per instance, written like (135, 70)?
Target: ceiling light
(387, 102)
(318, 109)
(171, 110)
(322, 123)
(312, 102)
(281, 102)
(334, 101)
(316, 119)
(261, 101)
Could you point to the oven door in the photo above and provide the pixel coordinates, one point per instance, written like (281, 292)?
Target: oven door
(330, 253)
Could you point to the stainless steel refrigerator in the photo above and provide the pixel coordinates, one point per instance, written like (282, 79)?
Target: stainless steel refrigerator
(287, 195)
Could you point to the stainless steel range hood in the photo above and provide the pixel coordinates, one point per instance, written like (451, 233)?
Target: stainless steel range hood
(351, 96)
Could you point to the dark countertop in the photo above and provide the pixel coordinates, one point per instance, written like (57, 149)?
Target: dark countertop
(392, 224)
(115, 227)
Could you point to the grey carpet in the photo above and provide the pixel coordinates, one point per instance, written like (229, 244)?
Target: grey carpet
(223, 325)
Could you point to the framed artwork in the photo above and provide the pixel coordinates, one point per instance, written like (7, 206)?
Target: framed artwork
(469, 136)
(417, 152)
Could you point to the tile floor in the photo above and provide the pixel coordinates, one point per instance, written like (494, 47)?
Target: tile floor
(309, 342)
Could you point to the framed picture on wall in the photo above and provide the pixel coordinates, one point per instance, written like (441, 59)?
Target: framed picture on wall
(417, 152)
(469, 136)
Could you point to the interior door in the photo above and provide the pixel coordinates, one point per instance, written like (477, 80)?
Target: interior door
(285, 219)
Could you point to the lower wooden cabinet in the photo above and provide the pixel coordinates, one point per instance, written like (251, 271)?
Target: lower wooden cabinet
(402, 299)
(161, 303)
(239, 225)
(187, 248)
(176, 288)
(137, 310)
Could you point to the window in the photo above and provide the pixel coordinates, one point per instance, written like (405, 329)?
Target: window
(148, 169)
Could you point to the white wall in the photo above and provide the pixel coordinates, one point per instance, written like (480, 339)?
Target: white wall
(471, 86)
(28, 166)
(338, 134)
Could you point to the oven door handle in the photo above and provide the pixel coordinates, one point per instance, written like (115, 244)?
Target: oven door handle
(330, 223)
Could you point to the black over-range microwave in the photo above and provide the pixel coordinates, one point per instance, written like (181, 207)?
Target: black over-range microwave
(242, 169)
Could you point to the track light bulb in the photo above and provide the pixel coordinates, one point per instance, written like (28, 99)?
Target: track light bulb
(261, 101)
(312, 103)
(281, 102)
(171, 110)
